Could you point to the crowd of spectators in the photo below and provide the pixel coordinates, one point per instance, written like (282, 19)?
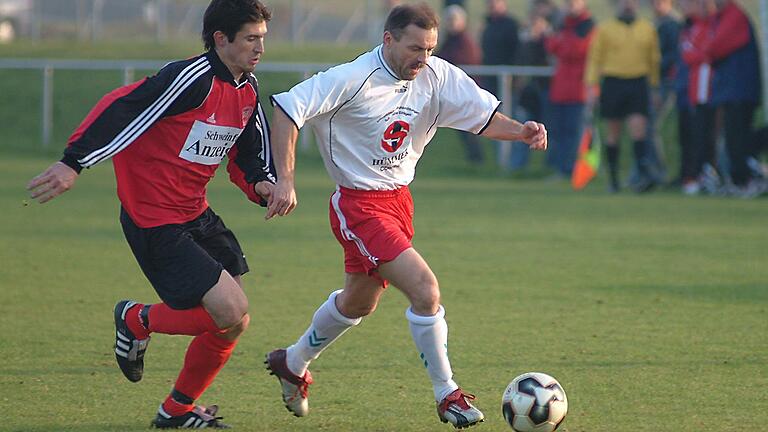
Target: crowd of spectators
(697, 60)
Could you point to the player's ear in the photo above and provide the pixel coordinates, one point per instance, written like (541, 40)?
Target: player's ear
(219, 38)
(388, 38)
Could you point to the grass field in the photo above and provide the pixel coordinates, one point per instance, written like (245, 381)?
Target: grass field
(651, 310)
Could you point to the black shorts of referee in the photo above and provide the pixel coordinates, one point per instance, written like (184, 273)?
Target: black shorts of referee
(620, 97)
(184, 261)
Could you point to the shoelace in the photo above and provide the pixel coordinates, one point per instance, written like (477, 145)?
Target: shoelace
(306, 380)
(208, 414)
(459, 398)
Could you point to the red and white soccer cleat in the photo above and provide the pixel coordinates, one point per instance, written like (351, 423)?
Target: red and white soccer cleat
(457, 410)
(295, 388)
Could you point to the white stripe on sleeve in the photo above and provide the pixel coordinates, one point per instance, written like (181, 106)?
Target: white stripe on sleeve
(150, 115)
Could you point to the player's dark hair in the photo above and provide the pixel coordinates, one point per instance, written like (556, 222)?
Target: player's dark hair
(421, 15)
(229, 16)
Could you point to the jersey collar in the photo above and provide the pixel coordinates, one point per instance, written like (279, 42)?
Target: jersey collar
(380, 55)
(222, 71)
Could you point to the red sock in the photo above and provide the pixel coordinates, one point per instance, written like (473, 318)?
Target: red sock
(175, 408)
(205, 357)
(190, 322)
(134, 322)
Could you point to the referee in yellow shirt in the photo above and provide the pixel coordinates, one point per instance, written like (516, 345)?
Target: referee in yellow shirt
(624, 58)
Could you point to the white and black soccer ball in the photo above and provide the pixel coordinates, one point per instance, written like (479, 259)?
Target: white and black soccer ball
(534, 402)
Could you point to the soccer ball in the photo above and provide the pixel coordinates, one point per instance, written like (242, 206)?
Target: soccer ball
(534, 402)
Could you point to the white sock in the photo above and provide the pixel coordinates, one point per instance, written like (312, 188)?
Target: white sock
(430, 333)
(328, 324)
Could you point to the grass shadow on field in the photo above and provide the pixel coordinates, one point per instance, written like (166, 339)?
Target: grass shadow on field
(128, 426)
(720, 292)
(666, 363)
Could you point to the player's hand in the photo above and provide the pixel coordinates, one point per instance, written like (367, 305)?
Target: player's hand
(52, 182)
(264, 189)
(282, 200)
(535, 135)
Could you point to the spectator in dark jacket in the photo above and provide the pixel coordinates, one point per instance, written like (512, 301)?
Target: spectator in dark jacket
(499, 40)
(733, 52)
(567, 93)
(499, 44)
(531, 100)
(460, 48)
(668, 31)
(668, 28)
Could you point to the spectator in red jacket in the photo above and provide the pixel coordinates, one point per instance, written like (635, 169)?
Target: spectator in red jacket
(567, 92)
(732, 51)
(460, 48)
(693, 39)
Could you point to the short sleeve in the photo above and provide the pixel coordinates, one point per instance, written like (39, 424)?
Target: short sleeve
(463, 104)
(317, 95)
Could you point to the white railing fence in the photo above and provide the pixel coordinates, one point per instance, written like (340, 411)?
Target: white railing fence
(47, 67)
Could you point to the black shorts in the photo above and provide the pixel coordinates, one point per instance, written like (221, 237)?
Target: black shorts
(184, 261)
(621, 97)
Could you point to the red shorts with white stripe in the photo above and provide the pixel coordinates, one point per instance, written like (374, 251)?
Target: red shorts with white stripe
(373, 227)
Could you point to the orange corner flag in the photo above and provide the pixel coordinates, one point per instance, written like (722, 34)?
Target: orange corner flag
(588, 161)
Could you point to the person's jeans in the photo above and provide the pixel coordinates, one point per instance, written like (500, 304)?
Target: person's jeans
(566, 123)
(737, 118)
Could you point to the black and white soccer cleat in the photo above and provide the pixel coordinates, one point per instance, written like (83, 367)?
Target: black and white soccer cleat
(129, 351)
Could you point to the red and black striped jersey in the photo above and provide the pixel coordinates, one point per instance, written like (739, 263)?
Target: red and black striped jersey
(167, 135)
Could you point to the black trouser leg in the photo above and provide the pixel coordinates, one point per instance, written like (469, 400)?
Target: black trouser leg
(612, 154)
(684, 135)
(472, 147)
(738, 132)
(704, 139)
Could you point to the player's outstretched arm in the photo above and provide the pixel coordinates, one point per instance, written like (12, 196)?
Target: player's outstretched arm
(504, 128)
(54, 181)
(282, 200)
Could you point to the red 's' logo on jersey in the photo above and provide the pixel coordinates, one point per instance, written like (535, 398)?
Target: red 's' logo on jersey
(247, 111)
(395, 135)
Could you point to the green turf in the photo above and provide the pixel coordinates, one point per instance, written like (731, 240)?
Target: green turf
(650, 310)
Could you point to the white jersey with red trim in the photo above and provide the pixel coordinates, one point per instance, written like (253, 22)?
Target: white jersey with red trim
(372, 127)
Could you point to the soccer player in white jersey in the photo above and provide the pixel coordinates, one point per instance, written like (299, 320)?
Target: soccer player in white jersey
(373, 118)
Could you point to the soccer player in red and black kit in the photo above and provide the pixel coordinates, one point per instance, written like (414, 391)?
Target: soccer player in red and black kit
(167, 134)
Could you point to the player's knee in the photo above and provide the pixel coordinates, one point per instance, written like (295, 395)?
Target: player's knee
(355, 310)
(233, 315)
(359, 311)
(426, 302)
(234, 332)
(242, 326)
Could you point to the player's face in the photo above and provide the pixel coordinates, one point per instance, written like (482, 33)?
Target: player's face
(408, 56)
(244, 52)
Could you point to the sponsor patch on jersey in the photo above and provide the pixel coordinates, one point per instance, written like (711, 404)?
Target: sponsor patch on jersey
(394, 135)
(247, 111)
(208, 144)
